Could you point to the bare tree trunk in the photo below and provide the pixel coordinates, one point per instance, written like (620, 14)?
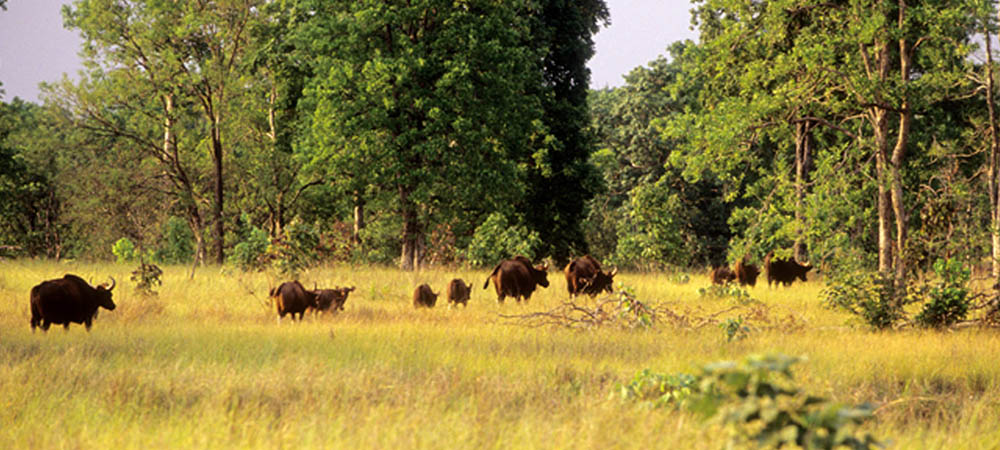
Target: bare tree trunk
(899, 153)
(994, 184)
(410, 258)
(885, 263)
(359, 218)
(220, 231)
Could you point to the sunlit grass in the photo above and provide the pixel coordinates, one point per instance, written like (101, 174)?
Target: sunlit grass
(205, 364)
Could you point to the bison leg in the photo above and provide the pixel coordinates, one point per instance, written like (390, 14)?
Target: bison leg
(87, 324)
(66, 326)
(45, 325)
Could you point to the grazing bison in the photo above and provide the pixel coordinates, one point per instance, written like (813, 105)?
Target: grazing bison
(746, 273)
(332, 299)
(584, 276)
(292, 298)
(68, 299)
(424, 297)
(459, 292)
(722, 275)
(517, 278)
(784, 271)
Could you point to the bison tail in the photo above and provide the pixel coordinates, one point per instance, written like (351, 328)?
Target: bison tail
(488, 278)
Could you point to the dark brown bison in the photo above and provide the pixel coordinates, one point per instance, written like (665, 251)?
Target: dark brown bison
(68, 299)
(517, 278)
(784, 271)
(746, 273)
(291, 298)
(424, 297)
(584, 276)
(332, 299)
(459, 292)
(722, 275)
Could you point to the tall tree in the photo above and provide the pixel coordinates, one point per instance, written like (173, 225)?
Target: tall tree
(406, 106)
(565, 181)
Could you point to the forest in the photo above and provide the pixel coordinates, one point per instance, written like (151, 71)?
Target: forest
(857, 135)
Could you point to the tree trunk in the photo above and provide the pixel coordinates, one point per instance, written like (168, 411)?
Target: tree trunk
(802, 162)
(359, 218)
(220, 232)
(994, 184)
(880, 122)
(411, 233)
(899, 153)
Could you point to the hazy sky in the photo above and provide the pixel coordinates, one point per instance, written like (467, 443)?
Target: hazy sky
(34, 47)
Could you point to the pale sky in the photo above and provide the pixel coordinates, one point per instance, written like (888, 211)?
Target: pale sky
(34, 47)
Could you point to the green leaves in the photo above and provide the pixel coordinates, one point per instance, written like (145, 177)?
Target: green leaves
(757, 402)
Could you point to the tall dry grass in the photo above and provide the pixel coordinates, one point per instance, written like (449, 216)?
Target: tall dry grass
(205, 364)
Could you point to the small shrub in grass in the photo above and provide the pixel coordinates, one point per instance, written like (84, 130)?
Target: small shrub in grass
(735, 329)
(873, 297)
(656, 390)
(146, 277)
(731, 291)
(758, 403)
(948, 299)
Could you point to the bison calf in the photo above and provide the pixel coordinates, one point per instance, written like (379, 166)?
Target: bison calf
(459, 292)
(424, 297)
(722, 275)
(332, 299)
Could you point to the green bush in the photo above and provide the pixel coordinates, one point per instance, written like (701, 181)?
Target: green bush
(731, 291)
(297, 249)
(124, 250)
(948, 298)
(250, 254)
(147, 276)
(496, 239)
(176, 244)
(873, 297)
(757, 402)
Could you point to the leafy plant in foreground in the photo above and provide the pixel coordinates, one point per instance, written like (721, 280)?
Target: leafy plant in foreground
(758, 403)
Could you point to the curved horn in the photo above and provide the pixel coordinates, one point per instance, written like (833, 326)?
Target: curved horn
(112, 283)
(613, 272)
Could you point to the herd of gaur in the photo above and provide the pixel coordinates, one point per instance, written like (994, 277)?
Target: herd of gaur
(72, 300)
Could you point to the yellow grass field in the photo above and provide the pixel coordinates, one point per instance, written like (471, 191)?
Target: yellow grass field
(206, 365)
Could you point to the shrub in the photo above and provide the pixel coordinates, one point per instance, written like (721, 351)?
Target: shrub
(124, 250)
(146, 276)
(496, 239)
(295, 250)
(729, 290)
(872, 296)
(948, 298)
(655, 390)
(176, 243)
(758, 403)
(735, 329)
(250, 253)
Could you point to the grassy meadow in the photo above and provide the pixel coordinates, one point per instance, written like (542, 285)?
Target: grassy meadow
(205, 364)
